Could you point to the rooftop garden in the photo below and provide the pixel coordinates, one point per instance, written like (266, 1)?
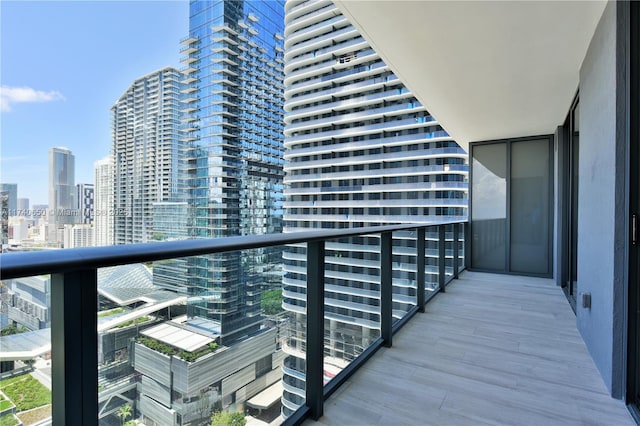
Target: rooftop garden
(110, 312)
(166, 349)
(5, 404)
(8, 420)
(133, 321)
(26, 392)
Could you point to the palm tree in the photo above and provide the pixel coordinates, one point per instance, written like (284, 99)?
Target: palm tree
(124, 412)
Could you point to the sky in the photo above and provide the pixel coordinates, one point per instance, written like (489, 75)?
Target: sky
(63, 64)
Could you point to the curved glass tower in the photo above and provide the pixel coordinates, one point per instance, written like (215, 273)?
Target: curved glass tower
(360, 150)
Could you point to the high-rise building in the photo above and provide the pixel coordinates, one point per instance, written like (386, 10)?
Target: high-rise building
(234, 69)
(23, 209)
(233, 128)
(170, 222)
(30, 301)
(4, 219)
(23, 204)
(360, 150)
(12, 190)
(147, 147)
(78, 235)
(85, 202)
(104, 209)
(62, 206)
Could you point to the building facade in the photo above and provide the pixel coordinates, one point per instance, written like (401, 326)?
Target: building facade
(146, 152)
(360, 150)
(62, 205)
(170, 223)
(23, 209)
(12, 190)
(78, 235)
(233, 68)
(85, 202)
(103, 192)
(232, 130)
(30, 301)
(4, 219)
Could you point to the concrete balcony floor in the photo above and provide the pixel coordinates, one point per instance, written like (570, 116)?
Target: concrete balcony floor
(493, 349)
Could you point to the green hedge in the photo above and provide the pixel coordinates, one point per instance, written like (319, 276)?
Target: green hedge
(170, 350)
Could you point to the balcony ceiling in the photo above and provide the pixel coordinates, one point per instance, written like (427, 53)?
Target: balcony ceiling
(486, 70)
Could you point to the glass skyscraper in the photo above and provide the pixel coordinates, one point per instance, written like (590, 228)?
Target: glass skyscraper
(360, 150)
(233, 60)
(12, 190)
(62, 206)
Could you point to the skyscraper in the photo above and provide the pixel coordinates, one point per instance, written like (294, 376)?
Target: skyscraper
(147, 148)
(85, 202)
(4, 219)
(233, 131)
(78, 235)
(360, 150)
(12, 190)
(23, 209)
(170, 222)
(103, 212)
(234, 69)
(62, 206)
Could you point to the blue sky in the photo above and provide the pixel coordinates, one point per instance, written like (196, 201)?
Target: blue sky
(63, 65)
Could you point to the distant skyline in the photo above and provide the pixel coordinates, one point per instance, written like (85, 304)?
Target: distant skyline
(63, 65)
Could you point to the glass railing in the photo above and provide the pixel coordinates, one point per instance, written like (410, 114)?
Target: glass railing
(263, 327)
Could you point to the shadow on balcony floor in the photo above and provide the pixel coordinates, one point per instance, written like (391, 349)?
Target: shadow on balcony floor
(493, 349)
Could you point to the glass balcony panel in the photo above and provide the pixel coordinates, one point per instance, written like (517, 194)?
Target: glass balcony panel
(352, 300)
(186, 338)
(294, 330)
(403, 273)
(448, 263)
(25, 345)
(431, 262)
(462, 236)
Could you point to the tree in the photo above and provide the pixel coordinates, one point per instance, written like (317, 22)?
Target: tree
(124, 413)
(204, 405)
(222, 418)
(271, 303)
(13, 329)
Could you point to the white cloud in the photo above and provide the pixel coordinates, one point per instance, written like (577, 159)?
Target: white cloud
(12, 95)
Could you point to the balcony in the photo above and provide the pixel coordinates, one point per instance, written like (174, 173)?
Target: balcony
(180, 349)
(489, 348)
(493, 349)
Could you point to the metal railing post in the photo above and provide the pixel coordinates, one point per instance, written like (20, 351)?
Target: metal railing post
(467, 244)
(74, 347)
(420, 245)
(315, 329)
(441, 257)
(386, 291)
(456, 236)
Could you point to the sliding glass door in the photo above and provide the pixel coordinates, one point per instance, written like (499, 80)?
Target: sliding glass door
(511, 195)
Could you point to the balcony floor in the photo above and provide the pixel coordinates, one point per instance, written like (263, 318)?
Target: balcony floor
(493, 349)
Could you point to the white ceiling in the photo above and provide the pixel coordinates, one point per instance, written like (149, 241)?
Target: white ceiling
(485, 70)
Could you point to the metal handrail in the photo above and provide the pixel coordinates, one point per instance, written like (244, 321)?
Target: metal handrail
(26, 264)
